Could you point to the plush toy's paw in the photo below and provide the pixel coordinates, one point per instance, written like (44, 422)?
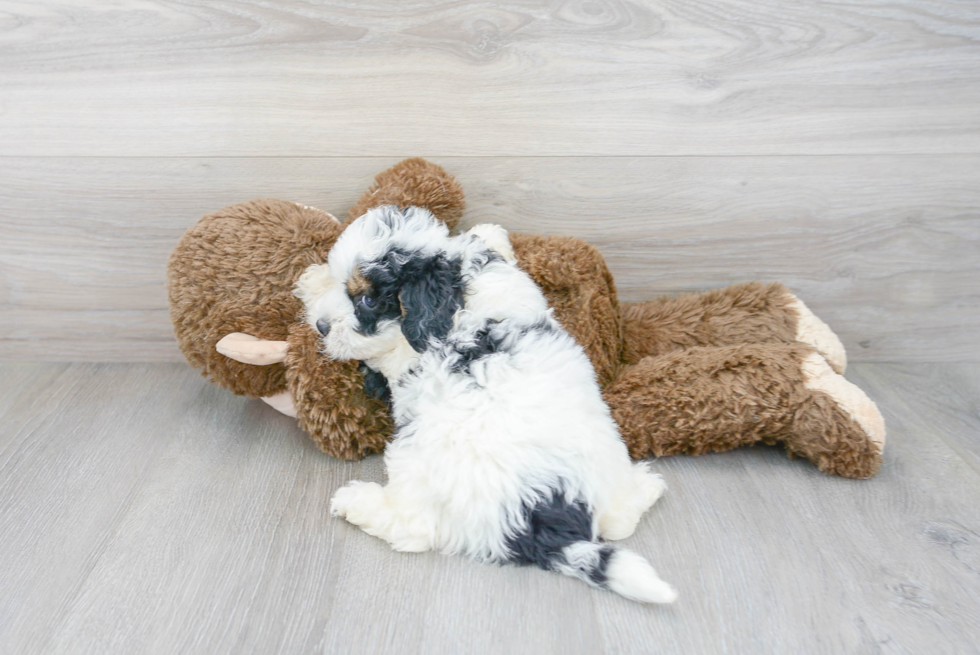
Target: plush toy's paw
(357, 501)
(814, 332)
(818, 376)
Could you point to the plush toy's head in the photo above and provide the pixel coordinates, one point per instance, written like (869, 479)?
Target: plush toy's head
(230, 284)
(234, 272)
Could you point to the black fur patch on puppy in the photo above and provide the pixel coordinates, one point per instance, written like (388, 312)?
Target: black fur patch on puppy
(552, 523)
(428, 290)
(486, 343)
(375, 384)
(382, 292)
(480, 260)
(430, 296)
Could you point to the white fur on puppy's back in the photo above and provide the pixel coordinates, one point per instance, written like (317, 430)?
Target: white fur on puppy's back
(632, 576)
(504, 450)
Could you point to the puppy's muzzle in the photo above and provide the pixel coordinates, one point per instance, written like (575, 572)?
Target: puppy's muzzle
(323, 326)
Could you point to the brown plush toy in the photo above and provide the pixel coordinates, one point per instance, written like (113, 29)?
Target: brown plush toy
(712, 371)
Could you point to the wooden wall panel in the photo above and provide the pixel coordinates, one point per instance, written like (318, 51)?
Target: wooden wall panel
(886, 249)
(516, 77)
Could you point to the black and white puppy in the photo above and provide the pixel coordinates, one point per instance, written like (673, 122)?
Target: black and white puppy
(504, 449)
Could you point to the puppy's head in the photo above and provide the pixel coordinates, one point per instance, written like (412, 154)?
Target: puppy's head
(390, 280)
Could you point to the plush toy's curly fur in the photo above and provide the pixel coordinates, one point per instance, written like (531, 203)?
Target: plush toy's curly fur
(331, 403)
(234, 272)
(415, 182)
(690, 374)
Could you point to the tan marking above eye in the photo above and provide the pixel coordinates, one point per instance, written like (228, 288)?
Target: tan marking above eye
(358, 284)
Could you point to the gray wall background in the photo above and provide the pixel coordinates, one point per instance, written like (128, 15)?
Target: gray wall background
(835, 148)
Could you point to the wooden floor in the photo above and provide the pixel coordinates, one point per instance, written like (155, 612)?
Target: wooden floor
(145, 511)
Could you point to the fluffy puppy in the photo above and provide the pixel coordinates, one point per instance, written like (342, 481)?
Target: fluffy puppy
(504, 449)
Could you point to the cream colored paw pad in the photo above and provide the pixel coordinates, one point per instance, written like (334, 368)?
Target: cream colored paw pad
(818, 376)
(814, 332)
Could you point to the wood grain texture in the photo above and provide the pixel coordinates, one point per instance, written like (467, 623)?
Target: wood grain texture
(517, 77)
(951, 410)
(886, 249)
(142, 510)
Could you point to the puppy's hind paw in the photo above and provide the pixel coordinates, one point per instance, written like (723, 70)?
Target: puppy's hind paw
(651, 486)
(356, 499)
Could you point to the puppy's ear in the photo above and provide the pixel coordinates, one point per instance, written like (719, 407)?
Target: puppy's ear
(430, 295)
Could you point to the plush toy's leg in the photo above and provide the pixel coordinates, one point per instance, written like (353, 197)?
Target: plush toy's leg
(820, 377)
(715, 398)
(739, 314)
(814, 332)
(369, 506)
(331, 403)
(637, 494)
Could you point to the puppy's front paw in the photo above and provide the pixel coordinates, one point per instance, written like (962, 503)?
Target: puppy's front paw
(356, 500)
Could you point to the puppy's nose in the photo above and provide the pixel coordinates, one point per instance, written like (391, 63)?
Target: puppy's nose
(323, 326)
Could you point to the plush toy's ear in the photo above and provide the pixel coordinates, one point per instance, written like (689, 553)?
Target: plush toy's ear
(247, 349)
(282, 402)
(430, 295)
(496, 238)
(415, 182)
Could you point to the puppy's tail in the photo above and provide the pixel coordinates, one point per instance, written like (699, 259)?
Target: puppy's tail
(616, 569)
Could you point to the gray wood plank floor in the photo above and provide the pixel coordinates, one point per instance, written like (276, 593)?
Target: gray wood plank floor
(143, 510)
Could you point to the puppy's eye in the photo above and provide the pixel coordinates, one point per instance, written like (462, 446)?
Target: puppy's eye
(368, 302)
